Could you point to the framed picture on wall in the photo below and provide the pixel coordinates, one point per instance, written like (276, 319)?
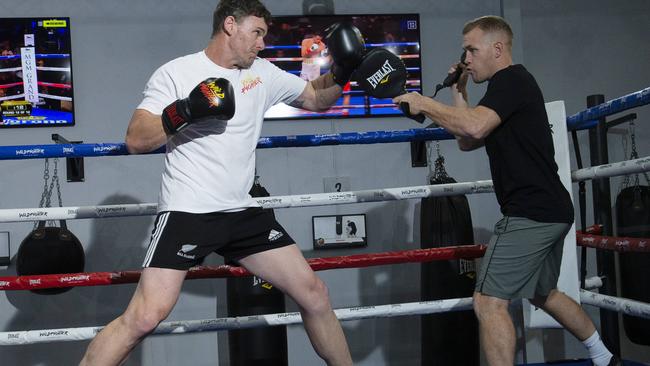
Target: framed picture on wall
(339, 231)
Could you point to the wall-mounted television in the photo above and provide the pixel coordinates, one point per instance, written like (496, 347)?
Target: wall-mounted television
(35, 72)
(296, 44)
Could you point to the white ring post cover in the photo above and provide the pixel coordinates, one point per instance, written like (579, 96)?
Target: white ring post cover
(568, 281)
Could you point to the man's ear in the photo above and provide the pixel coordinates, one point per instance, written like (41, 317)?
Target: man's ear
(229, 25)
(498, 48)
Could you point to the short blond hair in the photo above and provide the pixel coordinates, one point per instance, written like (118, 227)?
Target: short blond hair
(490, 24)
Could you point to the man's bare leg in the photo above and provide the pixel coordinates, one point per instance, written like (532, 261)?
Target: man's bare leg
(574, 319)
(567, 312)
(287, 269)
(496, 329)
(152, 302)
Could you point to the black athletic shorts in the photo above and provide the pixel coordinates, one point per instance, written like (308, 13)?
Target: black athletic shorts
(181, 240)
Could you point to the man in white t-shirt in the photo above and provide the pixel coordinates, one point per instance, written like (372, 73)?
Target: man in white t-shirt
(208, 109)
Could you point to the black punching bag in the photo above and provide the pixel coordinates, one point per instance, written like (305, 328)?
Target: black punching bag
(633, 220)
(447, 338)
(254, 296)
(50, 250)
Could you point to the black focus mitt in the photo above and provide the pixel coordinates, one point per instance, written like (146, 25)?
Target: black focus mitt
(382, 74)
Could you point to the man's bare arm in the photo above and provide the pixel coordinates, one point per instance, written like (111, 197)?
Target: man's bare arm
(145, 132)
(319, 94)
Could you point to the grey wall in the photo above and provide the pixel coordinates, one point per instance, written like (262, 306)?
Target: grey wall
(117, 45)
(576, 50)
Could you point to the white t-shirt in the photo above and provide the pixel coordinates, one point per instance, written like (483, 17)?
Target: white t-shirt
(208, 167)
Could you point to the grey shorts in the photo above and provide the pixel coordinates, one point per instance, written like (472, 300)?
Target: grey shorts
(523, 259)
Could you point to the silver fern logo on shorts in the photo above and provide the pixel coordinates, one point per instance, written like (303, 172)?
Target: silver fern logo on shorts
(185, 249)
(274, 235)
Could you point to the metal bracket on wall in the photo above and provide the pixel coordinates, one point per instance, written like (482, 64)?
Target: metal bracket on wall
(620, 120)
(5, 249)
(418, 153)
(74, 166)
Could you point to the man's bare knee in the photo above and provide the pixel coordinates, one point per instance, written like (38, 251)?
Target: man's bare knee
(143, 320)
(486, 306)
(314, 297)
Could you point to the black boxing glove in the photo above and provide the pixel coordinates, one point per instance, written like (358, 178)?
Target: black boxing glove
(213, 98)
(382, 74)
(345, 44)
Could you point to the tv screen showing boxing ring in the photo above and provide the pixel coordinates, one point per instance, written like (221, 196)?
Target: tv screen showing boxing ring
(297, 45)
(35, 72)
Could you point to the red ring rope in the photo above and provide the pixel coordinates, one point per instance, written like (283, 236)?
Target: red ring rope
(621, 244)
(318, 264)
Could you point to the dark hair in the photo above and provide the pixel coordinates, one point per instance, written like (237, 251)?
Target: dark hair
(238, 9)
(490, 24)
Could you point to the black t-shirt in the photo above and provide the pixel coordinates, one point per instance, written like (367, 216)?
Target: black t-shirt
(524, 172)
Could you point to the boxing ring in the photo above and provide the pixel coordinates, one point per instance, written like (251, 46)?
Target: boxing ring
(591, 238)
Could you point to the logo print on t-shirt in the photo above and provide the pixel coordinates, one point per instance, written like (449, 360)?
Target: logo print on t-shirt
(249, 83)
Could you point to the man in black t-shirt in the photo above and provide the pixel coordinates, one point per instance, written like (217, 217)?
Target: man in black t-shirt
(525, 252)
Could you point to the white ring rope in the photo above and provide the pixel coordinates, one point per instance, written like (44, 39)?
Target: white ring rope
(618, 304)
(82, 212)
(621, 305)
(48, 68)
(609, 170)
(18, 96)
(11, 69)
(12, 97)
(39, 68)
(57, 97)
(302, 200)
(192, 326)
(318, 199)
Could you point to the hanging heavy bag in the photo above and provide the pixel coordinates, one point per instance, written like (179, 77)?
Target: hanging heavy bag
(633, 220)
(447, 221)
(253, 296)
(50, 250)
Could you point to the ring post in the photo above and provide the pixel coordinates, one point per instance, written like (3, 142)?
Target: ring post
(603, 216)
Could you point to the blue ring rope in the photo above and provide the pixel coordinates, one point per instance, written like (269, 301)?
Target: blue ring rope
(38, 55)
(578, 121)
(588, 118)
(115, 149)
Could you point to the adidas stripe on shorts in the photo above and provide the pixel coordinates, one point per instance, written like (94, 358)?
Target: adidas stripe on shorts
(181, 240)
